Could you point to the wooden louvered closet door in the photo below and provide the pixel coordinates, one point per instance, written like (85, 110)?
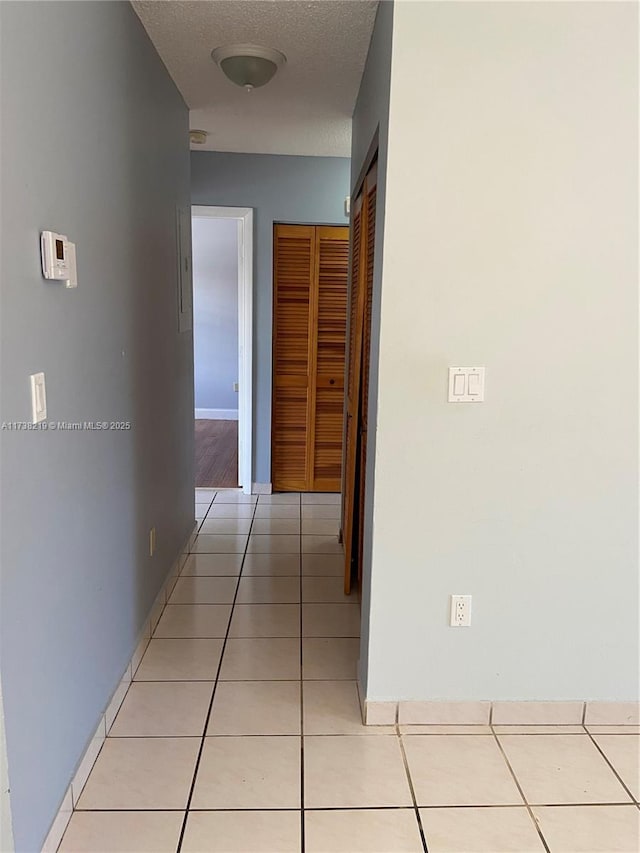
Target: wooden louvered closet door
(332, 261)
(309, 327)
(369, 251)
(358, 362)
(352, 402)
(294, 260)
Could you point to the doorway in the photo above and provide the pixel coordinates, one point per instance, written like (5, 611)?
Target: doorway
(222, 239)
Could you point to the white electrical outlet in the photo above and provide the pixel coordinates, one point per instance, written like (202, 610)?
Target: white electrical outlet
(152, 541)
(460, 611)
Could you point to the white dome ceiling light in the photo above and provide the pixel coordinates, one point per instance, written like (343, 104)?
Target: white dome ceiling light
(198, 137)
(248, 65)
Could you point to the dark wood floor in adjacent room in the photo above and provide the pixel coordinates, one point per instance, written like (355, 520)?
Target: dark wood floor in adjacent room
(216, 454)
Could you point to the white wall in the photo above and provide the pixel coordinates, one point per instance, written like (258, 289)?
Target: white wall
(510, 241)
(215, 312)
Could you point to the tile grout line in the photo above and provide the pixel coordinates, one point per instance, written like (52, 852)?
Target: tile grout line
(213, 695)
(488, 734)
(412, 790)
(332, 734)
(224, 735)
(206, 515)
(615, 772)
(520, 789)
(439, 807)
(551, 805)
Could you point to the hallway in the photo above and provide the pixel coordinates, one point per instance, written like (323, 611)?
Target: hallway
(244, 708)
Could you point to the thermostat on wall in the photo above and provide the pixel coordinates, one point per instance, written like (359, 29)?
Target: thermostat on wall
(58, 258)
(55, 260)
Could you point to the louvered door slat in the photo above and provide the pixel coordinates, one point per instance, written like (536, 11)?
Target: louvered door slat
(366, 331)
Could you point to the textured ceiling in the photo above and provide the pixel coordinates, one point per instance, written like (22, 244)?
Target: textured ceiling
(306, 108)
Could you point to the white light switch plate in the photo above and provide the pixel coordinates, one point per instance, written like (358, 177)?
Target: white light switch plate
(466, 384)
(38, 398)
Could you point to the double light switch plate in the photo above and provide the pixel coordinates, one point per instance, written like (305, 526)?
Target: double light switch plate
(466, 384)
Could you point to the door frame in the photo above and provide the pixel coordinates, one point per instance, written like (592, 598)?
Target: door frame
(371, 159)
(244, 218)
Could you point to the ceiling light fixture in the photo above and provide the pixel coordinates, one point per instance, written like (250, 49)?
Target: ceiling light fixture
(248, 65)
(198, 137)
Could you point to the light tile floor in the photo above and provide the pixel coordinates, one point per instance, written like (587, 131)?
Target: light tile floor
(241, 731)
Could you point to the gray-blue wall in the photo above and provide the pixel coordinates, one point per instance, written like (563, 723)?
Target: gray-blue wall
(279, 189)
(94, 145)
(215, 312)
(371, 114)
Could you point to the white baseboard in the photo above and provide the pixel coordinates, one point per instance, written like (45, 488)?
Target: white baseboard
(107, 718)
(261, 489)
(217, 414)
(499, 713)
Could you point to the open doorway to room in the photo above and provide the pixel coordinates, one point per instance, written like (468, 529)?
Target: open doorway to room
(222, 297)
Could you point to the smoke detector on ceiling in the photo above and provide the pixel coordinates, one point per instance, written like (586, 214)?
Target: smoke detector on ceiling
(248, 65)
(198, 137)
